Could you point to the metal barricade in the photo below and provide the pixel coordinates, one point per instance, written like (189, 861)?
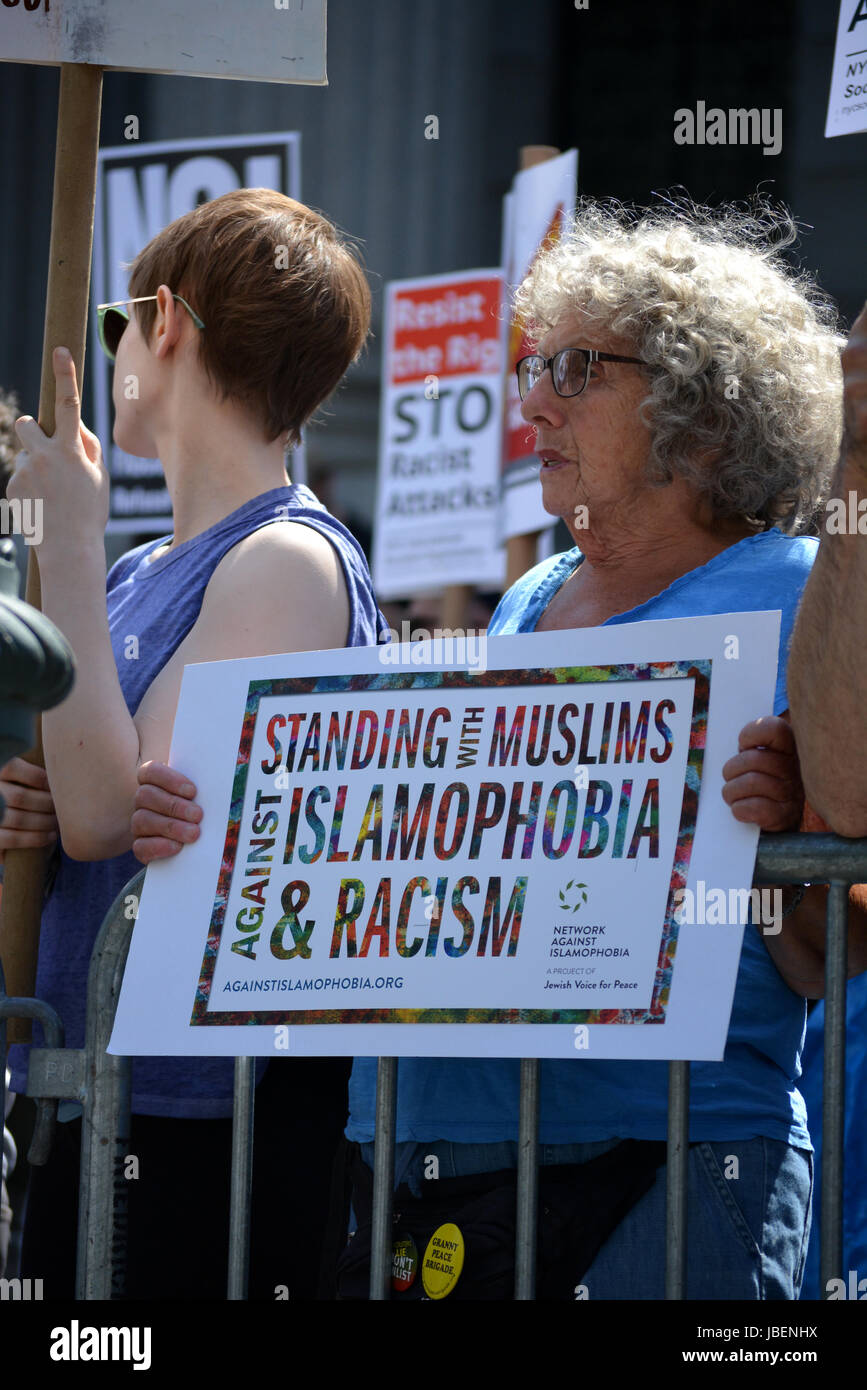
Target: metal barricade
(796, 858)
(102, 1085)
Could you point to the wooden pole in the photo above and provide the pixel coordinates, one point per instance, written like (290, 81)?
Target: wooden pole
(522, 551)
(65, 326)
(455, 606)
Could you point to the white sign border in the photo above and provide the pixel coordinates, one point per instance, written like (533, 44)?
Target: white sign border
(747, 686)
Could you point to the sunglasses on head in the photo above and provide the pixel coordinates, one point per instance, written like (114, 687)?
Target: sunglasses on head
(112, 319)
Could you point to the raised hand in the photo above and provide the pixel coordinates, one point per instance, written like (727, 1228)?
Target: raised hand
(64, 475)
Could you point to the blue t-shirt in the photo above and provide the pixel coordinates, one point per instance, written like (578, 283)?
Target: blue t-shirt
(752, 1092)
(158, 602)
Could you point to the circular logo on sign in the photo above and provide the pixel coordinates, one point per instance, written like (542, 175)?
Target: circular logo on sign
(404, 1263)
(443, 1261)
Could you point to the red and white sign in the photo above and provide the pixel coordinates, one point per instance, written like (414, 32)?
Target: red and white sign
(440, 435)
(535, 213)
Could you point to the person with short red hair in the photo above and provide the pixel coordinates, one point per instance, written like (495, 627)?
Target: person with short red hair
(243, 317)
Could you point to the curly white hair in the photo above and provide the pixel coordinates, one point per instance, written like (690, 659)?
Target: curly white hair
(743, 351)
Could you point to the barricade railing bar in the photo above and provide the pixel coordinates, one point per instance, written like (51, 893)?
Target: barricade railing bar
(241, 1196)
(676, 1163)
(820, 858)
(526, 1216)
(383, 1177)
(102, 1084)
(46, 1104)
(105, 1126)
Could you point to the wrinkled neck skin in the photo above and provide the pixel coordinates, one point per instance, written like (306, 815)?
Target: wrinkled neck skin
(640, 544)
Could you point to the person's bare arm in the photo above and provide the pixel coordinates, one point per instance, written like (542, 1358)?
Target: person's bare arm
(763, 787)
(826, 675)
(798, 949)
(281, 589)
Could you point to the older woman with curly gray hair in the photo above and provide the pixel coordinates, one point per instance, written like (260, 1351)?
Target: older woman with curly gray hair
(735, 373)
(685, 393)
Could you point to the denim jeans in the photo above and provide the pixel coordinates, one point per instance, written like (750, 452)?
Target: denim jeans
(746, 1236)
(748, 1221)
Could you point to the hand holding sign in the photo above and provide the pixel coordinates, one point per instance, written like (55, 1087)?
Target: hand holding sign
(348, 800)
(62, 474)
(763, 787)
(165, 816)
(763, 780)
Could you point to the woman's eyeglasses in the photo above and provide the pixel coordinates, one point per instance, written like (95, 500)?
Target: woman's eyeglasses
(112, 319)
(570, 369)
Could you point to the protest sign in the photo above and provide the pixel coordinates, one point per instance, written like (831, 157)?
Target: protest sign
(535, 213)
(284, 42)
(847, 100)
(440, 432)
(140, 189)
(416, 851)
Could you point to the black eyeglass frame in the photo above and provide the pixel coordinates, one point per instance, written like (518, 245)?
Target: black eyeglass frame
(591, 354)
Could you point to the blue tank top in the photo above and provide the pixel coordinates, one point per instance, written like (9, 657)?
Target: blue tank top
(159, 601)
(753, 1091)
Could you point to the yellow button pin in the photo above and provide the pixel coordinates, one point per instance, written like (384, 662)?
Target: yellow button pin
(443, 1261)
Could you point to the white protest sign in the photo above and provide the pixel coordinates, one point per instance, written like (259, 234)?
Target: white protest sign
(261, 40)
(535, 213)
(139, 190)
(847, 100)
(470, 860)
(440, 431)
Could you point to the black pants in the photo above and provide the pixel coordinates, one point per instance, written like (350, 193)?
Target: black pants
(179, 1204)
(580, 1204)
